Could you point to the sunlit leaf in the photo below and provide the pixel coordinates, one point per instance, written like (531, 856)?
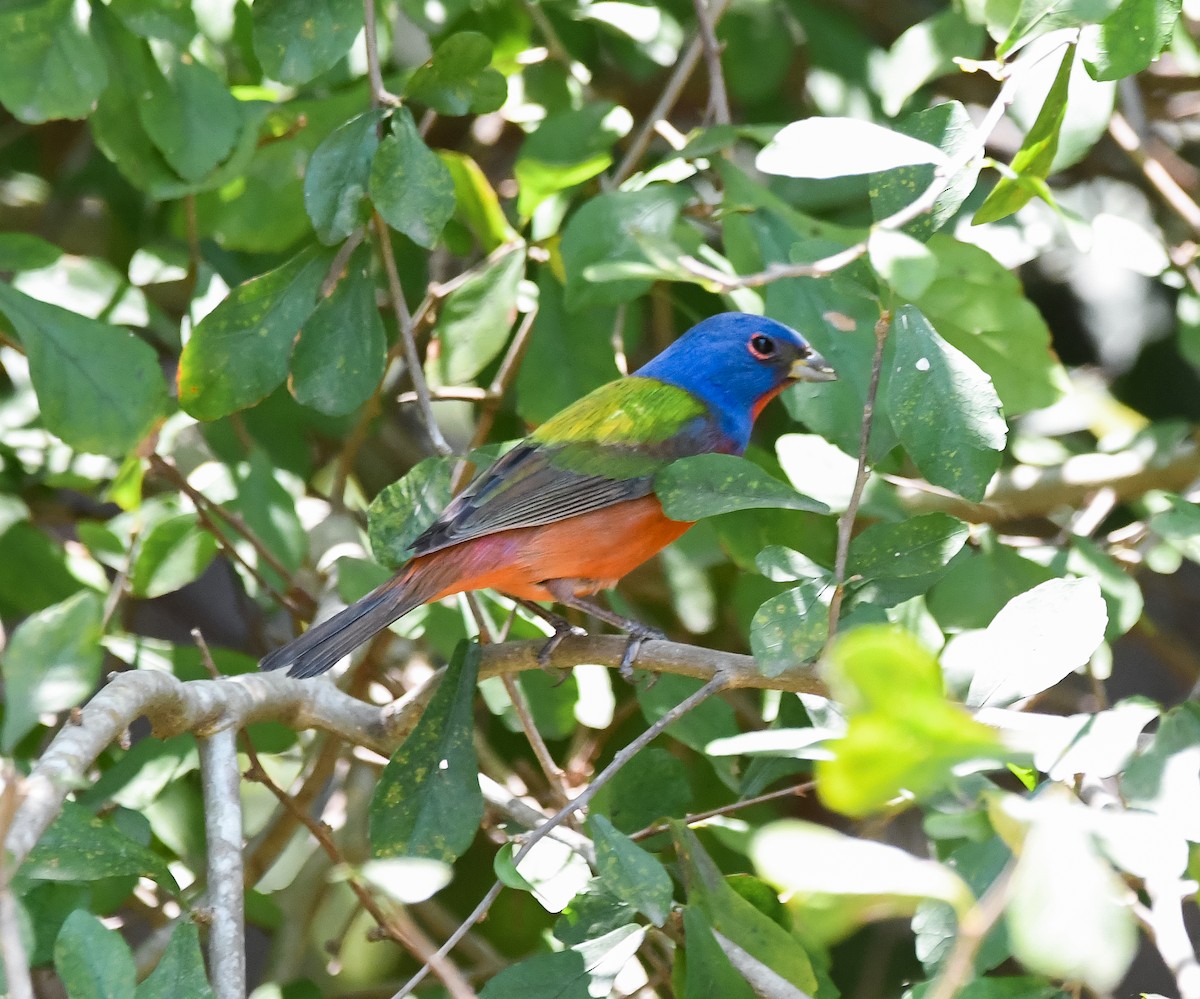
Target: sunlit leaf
(405, 508)
(295, 42)
(822, 148)
(1130, 38)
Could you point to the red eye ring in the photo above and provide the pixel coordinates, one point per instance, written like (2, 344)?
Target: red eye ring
(761, 346)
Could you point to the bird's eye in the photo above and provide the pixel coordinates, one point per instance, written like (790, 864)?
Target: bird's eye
(762, 346)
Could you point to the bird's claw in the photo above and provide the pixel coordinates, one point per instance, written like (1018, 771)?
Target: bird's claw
(642, 633)
(562, 629)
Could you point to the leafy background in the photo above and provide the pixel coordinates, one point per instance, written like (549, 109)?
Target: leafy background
(266, 271)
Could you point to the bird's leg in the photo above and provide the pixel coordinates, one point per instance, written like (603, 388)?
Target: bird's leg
(564, 592)
(562, 629)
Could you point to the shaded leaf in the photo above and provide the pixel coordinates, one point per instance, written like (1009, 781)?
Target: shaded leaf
(631, 873)
(92, 960)
(545, 976)
(404, 509)
(336, 179)
(707, 969)
(427, 802)
(956, 442)
(50, 66)
(592, 914)
(410, 186)
(180, 971)
(23, 251)
(171, 20)
(99, 387)
(458, 80)
(52, 663)
(339, 359)
(823, 148)
(705, 485)
(238, 354)
(295, 42)
(791, 628)
(914, 547)
(473, 323)
(1035, 158)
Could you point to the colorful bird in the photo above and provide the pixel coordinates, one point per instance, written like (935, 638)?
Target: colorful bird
(571, 508)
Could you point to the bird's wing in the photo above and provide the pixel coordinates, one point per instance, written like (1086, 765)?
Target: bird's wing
(603, 449)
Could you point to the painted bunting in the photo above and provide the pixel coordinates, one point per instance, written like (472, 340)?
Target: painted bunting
(571, 508)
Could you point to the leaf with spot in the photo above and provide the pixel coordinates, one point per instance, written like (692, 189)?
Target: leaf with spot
(81, 847)
(238, 353)
(335, 182)
(99, 387)
(173, 21)
(459, 80)
(410, 186)
(1035, 158)
(339, 358)
(560, 975)
(92, 961)
(944, 408)
(705, 485)
(427, 802)
(50, 66)
(631, 873)
(890, 563)
(1130, 38)
(1040, 17)
(298, 41)
(791, 628)
(404, 509)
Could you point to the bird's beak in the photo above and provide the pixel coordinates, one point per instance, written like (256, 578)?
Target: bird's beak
(813, 368)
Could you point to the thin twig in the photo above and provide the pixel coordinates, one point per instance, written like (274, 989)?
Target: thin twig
(795, 791)
(379, 94)
(404, 323)
(341, 259)
(718, 97)
(1176, 198)
(846, 521)
(622, 757)
(980, 918)
(396, 924)
(684, 68)
(221, 780)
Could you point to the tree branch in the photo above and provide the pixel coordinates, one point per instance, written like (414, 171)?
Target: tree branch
(221, 781)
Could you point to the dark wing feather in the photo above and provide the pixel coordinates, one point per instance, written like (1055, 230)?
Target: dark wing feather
(526, 488)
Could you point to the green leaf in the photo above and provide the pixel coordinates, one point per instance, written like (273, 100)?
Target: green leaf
(924, 52)
(81, 847)
(566, 149)
(591, 914)
(1036, 640)
(427, 802)
(174, 553)
(410, 186)
(1036, 156)
(404, 509)
(477, 205)
(171, 20)
(608, 229)
(824, 148)
(92, 960)
(238, 353)
(654, 785)
(736, 919)
(22, 251)
(52, 663)
(956, 442)
(903, 735)
(949, 127)
(914, 547)
(458, 80)
(708, 970)
(545, 976)
(705, 485)
(631, 873)
(846, 882)
(474, 321)
(1130, 38)
(1040, 17)
(1163, 779)
(50, 66)
(339, 359)
(408, 880)
(99, 387)
(180, 971)
(979, 306)
(903, 262)
(335, 181)
(506, 870)
(190, 116)
(296, 42)
(791, 628)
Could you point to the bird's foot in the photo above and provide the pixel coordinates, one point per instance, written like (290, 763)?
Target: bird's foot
(563, 629)
(637, 635)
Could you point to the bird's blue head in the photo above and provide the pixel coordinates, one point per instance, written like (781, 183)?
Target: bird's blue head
(737, 363)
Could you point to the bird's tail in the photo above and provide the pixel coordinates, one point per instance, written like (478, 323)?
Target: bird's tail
(324, 644)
